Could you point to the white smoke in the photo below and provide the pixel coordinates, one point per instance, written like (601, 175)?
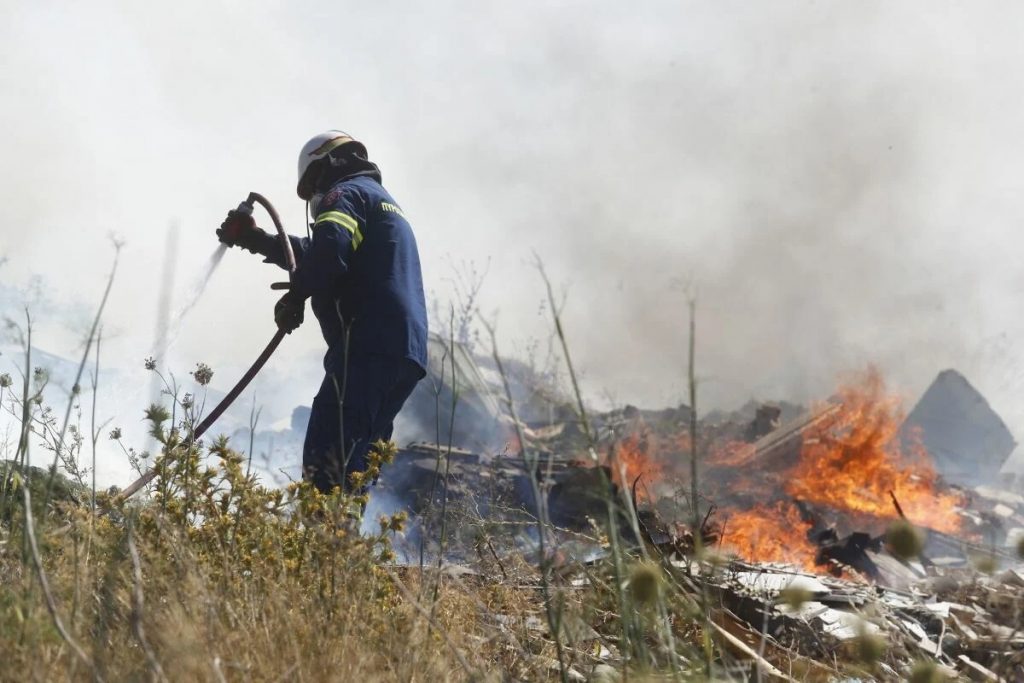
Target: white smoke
(836, 180)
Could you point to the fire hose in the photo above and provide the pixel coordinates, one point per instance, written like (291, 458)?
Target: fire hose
(245, 207)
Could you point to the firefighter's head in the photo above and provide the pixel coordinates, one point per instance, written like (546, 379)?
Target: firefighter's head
(327, 157)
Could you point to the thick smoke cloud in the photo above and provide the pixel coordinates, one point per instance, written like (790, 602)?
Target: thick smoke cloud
(838, 183)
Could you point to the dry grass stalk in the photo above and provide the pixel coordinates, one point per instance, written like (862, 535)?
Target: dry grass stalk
(138, 605)
(426, 614)
(93, 331)
(44, 584)
(550, 610)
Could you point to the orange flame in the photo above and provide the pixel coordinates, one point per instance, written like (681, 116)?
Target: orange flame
(769, 534)
(635, 456)
(848, 464)
(729, 454)
(853, 460)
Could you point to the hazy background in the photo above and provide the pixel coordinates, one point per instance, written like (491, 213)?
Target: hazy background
(840, 182)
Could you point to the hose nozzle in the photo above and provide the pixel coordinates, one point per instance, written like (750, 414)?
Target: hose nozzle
(247, 208)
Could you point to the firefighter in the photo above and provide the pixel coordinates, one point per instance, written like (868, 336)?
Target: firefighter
(360, 269)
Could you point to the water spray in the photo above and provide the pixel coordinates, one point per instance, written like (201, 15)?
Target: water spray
(245, 207)
(169, 334)
(200, 286)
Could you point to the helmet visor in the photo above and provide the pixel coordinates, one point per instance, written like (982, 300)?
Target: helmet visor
(307, 183)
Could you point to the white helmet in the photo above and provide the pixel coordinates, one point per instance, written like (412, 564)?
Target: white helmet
(317, 148)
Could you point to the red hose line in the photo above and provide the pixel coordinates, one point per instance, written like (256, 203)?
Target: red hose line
(253, 370)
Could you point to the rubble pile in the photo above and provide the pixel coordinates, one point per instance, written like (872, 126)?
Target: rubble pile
(965, 622)
(797, 509)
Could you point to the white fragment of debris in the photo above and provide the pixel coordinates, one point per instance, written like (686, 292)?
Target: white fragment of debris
(457, 570)
(923, 641)
(975, 518)
(965, 629)
(1013, 576)
(575, 631)
(976, 671)
(772, 582)
(1006, 635)
(897, 600)
(534, 624)
(603, 673)
(894, 573)
(570, 673)
(807, 583)
(846, 625)
(805, 611)
(1003, 511)
(531, 622)
(1000, 496)
(962, 611)
(939, 609)
(1013, 537)
(840, 624)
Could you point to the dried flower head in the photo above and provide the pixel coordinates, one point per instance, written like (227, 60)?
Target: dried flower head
(644, 583)
(904, 540)
(395, 523)
(202, 374)
(870, 647)
(151, 363)
(115, 434)
(5, 380)
(927, 672)
(985, 562)
(795, 596)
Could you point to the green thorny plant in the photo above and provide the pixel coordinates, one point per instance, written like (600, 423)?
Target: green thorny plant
(208, 534)
(211, 497)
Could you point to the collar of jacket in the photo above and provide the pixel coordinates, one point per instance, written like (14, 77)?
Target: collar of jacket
(354, 167)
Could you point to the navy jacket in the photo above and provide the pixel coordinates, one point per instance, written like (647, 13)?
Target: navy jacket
(361, 269)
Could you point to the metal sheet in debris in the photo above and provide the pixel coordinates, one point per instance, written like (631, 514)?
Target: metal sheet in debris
(771, 582)
(845, 625)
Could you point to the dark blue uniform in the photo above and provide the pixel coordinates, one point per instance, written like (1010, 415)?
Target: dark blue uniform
(361, 271)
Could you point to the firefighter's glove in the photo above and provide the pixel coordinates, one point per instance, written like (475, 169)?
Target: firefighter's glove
(289, 312)
(239, 229)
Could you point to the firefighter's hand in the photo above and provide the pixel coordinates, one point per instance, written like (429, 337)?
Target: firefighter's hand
(238, 229)
(289, 312)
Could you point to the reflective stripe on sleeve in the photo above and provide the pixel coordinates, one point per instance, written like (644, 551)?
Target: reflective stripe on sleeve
(345, 221)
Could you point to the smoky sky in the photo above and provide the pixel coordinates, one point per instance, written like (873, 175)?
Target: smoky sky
(836, 184)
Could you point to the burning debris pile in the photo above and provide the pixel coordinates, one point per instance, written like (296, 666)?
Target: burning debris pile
(838, 471)
(843, 501)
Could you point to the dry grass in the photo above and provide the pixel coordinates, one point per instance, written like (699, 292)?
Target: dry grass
(227, 580)
(213, 576)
